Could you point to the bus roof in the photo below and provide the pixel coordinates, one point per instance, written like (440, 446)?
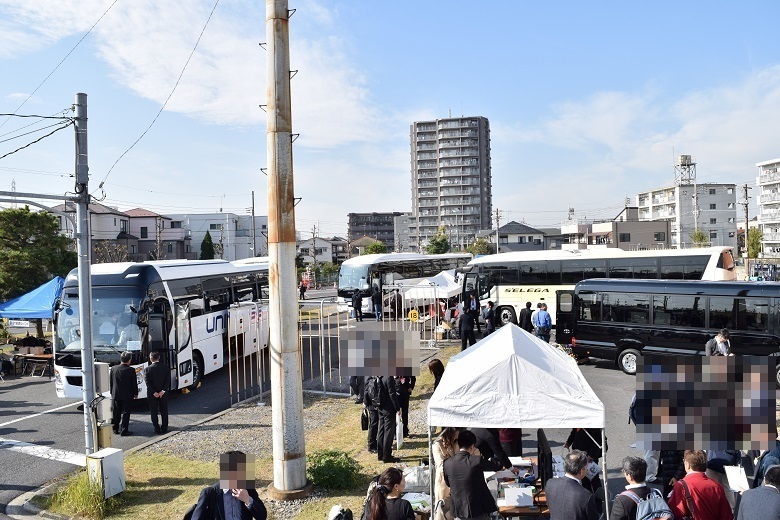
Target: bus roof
(400, 257)
(683, 287)
(591, 254)
(171, 269)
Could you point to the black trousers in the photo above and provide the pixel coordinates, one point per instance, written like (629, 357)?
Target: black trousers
(475, 314)
(373, 425)
(467, 335)
(514, 448)
(121, 415)
(359, 312)
(385, 434)
(159, 405)
(403, 398)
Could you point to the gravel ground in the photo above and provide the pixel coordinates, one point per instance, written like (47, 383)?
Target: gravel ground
(247, 427)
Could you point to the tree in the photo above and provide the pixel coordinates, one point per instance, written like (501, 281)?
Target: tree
(699, 238)
(480, 247)
(158, 253)
(32, 251)
(329, 269)
(375, 248)
(106, 252)
(755, 236)
(439, 243)
(207, 248)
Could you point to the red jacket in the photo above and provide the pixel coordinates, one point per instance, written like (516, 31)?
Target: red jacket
(708, 497)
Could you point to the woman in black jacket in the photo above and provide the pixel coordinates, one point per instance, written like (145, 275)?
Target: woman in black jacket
(385, 502)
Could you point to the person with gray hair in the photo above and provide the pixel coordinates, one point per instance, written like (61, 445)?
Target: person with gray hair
(764, 501)
(625, 504)
(566, 497)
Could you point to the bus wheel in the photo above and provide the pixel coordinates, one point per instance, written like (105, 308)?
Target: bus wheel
(197, 370)
(628, 360)
(506, 315)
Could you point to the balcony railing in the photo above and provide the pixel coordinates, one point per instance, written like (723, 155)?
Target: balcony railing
(769, 197)
(771, 237)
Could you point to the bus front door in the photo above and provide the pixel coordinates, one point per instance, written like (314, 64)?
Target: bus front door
(565, 317)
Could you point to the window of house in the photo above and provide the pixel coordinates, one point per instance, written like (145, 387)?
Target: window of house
(170, 248)
(712, 191)
(731, 234)
(713, 206)
(624, 237)
(713, 221)
(176, 224)
(730, 205)
(123, 225)
(521, 240)
(304, 250)
(132, 248)
(503, 240)
(732, 220)
(213, 226)
(660, 236)
(713, 234)
(114, 221)
(729, 190)
(189, 249)
(144, 232)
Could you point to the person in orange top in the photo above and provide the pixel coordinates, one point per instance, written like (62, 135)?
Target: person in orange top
(697, 495)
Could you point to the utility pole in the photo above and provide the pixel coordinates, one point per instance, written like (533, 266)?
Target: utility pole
(83, 249)
(289, 446)
(254, 242)
(498, 217)
(745, 189)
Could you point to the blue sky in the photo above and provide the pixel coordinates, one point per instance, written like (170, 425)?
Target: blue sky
(588, 101)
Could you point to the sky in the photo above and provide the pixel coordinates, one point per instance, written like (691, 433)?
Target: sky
(588, 102)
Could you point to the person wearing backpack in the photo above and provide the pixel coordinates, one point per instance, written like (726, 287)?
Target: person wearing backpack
(371, 396)
(638, 501)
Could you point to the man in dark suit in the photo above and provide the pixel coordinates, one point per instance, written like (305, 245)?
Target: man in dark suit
(389, 407)
(624, 506)
(373, 414)
(524, 320)
(463, 473)
(566, 497)
(489, 445)
(158, 382)
(466, 330)
(404, 386)
(124, 388)
(474, 308)
(764, 501)
(234, 496)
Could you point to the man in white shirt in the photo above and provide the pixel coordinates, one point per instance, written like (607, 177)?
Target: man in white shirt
(566, 497)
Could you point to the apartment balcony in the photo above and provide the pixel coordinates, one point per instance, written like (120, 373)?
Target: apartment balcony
(429, 203)
(461, 133)
(663, 200)
(428, 193)
(426, 164)
(426, 155)
(768, 198)
(460, 152)
(450, 143)
(458, 162)
(426, 137)
(644, 202)
(769, 216)
(664, 214)
(771, 237)
(449, 201)
(426, 128)
(426, 146)
(459, 172)
(427, 184)
(427, 175)
(429, 213)
(454, 192)
(465, 211)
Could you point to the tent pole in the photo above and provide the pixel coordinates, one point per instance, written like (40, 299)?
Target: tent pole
(432, 478)
(604, 468)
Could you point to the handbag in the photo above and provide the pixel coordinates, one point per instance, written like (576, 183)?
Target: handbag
(688, 502)
(364, 420)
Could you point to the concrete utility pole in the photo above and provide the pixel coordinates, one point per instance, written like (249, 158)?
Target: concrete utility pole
(497, 226)
(286, 389)
(745, 189)
(83, 237)
(254, 242)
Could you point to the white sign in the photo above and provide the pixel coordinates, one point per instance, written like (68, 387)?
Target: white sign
(18, 323)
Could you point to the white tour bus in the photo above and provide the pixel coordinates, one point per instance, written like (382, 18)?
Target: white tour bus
(510, 280)
(193, 312)
(366, 271)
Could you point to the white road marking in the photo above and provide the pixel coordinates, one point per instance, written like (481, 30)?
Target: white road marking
(40, 413)
(69, 457)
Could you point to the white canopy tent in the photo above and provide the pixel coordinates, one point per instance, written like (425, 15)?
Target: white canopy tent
(442, 285)
(512, 379)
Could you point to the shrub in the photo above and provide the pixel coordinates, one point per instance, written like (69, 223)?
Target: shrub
(333, 469)
(82, 498)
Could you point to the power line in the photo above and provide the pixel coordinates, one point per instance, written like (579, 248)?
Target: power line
(100, 186)
(37, 140)
(28, 133)
(58, 66)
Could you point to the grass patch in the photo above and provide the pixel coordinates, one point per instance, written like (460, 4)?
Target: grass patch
(82, 498)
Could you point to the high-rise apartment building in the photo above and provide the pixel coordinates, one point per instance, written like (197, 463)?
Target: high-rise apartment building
(451, 181)
(769, 207)
(379, 226)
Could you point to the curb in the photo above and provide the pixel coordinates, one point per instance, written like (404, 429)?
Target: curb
(22, 507)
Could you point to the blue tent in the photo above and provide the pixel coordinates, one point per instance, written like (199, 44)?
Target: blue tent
(38, 303)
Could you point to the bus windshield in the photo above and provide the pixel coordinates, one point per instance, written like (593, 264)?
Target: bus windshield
(353, 277)
(114, 317)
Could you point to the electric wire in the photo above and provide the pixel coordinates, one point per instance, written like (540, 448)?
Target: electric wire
(194, 48)
(28, 133)
(57, 66)
(62, 127)
(31, 124)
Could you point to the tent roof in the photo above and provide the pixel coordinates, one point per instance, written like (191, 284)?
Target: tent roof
(38, 303)
(442, 285)
(512, 379)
